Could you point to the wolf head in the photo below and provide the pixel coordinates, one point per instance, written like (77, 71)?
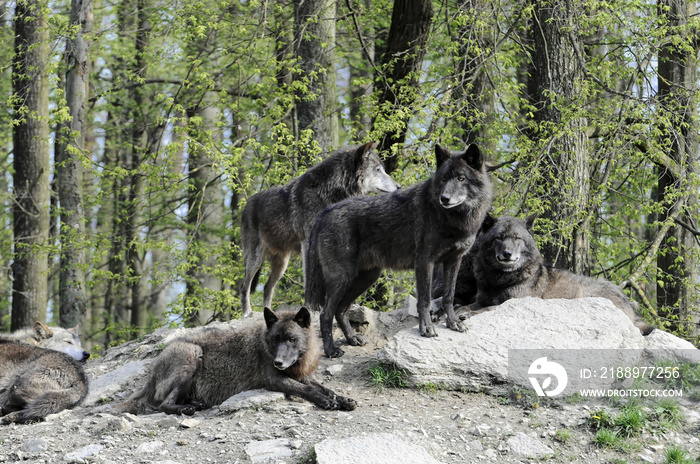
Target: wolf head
(507, 243)
(461, 179)
(60, 339)
(287, 336)
(371, 176)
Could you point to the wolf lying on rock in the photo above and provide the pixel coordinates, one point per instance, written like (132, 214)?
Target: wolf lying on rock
(505, 263)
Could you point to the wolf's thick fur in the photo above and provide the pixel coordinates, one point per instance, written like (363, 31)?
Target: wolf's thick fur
(507, 264)
(36, 382)
(52, 338)
(432, 222)
(276, 222)
(204, 370)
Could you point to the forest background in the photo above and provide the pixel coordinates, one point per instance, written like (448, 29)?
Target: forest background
(133, 131)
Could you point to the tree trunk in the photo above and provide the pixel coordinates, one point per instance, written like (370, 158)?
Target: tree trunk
(566, 182)
(31, 164)
(472, 95)
(205, 215)
(677, 260)
(361, 85)
(139, 148)
(400, 67)
(314, 36)
(72, 296)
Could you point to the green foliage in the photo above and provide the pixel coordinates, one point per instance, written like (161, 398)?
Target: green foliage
(563, 435)
(677, 455)
(155, 230)
(387, 376)
(630, 421)
(607, 438)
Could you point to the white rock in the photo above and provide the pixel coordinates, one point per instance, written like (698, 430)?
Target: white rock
(149, 447)
(250, 399)
(528, 446)
(82, 453)
(261, 451)
(110, 383)
(478, 359)
(382, 448)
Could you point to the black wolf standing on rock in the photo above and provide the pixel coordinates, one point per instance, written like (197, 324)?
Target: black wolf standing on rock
(36, 381)
(432, 222)
(204, 370)
(506, 263)
(276, 222)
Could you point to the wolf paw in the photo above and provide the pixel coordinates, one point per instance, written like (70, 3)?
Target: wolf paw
(336, 353)
(347, 404)
(188, 410)
(357, 340)
(456, 325)
(428, 331)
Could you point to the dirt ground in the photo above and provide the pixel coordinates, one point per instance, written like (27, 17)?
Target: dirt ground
(454, 427)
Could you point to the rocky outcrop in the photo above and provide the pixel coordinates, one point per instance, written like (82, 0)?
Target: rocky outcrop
(501, 345)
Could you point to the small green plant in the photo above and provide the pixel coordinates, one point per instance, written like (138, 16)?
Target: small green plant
(631, 420)
(600, 419)
(562, 435)
(309, 458)
(159, 347)
(429, 387)
(676, 455)
(668, 411)
(607, 438)
(387, 376)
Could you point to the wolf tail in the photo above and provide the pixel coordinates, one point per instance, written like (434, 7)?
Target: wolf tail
(254, 283)
(314, 286)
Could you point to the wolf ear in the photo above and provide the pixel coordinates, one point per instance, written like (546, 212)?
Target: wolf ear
(530, 221)
(42, 331)
(303, 318)
(441, 155)
(488, 222)
(473, 157)
(270, 317)
(363, 151)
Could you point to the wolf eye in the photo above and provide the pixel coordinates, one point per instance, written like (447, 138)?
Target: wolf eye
(461, 178)
(292, 340)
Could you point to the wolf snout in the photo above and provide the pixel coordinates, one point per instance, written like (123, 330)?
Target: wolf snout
(280, 364)
(86, 356)
(508, 257)
(444, 200)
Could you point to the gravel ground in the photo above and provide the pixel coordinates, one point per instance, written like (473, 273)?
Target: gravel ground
(454, 427)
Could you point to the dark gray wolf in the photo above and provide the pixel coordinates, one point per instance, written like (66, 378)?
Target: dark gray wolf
(276, 222)
(204, 370)
(52, 338)
(36, 382)
(432, 222)
(507, 264)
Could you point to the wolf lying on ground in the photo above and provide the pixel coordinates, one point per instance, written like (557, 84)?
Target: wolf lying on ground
(52, 338)
(432, 222)
(276, 222)
(204, 370)
(36, 381)
(506, 263)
